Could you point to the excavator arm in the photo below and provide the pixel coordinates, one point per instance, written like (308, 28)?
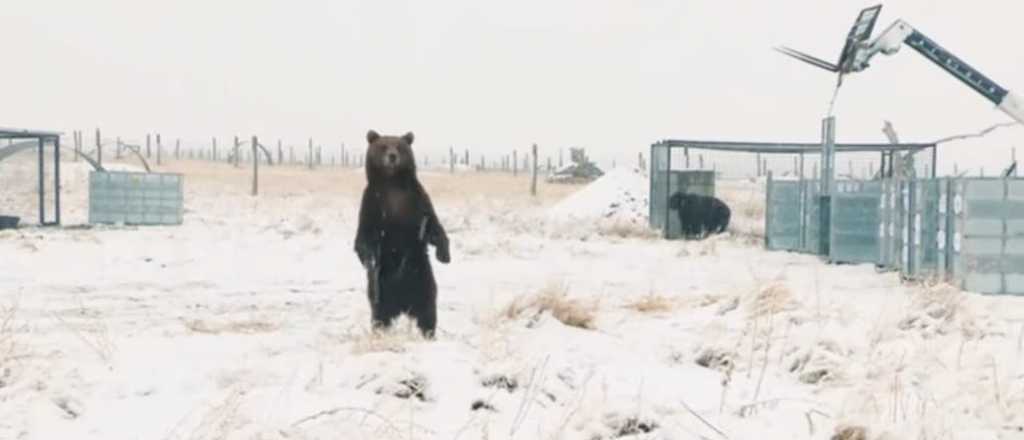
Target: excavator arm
(901, 32)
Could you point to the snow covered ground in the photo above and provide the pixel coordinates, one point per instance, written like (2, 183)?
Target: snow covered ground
(250, 322)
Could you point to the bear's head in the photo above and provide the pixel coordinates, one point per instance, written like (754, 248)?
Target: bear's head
(389, 157)
(677, 202)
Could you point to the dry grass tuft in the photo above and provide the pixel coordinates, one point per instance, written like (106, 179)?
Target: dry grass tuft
(770, 300)
(652, 303)
(93, 331)
(244, 326)
(940, 308)
(394, 339)
(850, 432)
(8, 344)
(625, 229)
(554, 299)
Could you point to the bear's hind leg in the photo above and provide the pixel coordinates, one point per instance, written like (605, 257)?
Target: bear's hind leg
(426, 320)
(382, 316)
(424, 307)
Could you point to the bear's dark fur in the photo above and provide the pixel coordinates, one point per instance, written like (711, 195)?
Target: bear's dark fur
(396, 222)
(700, 215)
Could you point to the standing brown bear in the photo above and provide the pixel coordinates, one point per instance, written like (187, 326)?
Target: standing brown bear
(396, 222)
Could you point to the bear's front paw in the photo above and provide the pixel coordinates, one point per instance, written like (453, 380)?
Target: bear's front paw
(443, 255)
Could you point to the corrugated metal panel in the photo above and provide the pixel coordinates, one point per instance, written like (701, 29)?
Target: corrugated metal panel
(659, 187)
(887, 230)
(783, 216)
(926, 196)
(811, 217)
(854, 222)
(988, 245)
(136, 198)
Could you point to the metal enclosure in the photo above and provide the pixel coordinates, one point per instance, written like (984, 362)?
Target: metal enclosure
(136, 198)
(686, 182)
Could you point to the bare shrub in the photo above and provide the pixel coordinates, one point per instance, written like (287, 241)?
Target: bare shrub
(93, 332)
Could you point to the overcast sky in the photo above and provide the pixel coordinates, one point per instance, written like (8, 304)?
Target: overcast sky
(613, 76)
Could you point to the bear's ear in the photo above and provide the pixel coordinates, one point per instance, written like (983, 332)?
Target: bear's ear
(408, 138)
(372, 136)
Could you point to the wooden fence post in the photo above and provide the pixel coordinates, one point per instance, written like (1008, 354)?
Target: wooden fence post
(236, 154)
(451, 159)
(214, 144)
(117, 148)
(78, 143)
(309, 158)
(515, 163)
(99, 148)
(158, 148)
(280, 153)
(1013, 158)
(149, 151)
(255, 166)
(177, 149)
(533, 181)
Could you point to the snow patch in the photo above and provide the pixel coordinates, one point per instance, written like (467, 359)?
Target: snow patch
(621, 195)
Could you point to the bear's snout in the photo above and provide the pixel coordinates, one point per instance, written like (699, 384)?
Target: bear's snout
(391, 158)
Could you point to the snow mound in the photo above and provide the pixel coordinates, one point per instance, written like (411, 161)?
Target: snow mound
(619, 195)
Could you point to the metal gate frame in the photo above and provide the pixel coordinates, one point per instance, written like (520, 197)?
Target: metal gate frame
(784, 201)
(848, 231)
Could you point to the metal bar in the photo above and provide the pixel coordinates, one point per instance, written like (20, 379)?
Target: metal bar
(650, 186)
(791, 148)
(56, 179)
(42, 185)
(768, 213)
(255, 166)
(935, 161)
(1005, 234)
(668, 181)
(827, 155)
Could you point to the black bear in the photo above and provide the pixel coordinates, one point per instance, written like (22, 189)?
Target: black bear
(700, 215)
(396, 222)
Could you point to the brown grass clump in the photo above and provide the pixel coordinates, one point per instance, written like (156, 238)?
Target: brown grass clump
(393, 339)
(651, 303)
(554, 299)
(245, 326)
(625, 229)
(849, 432)
(770, 299)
